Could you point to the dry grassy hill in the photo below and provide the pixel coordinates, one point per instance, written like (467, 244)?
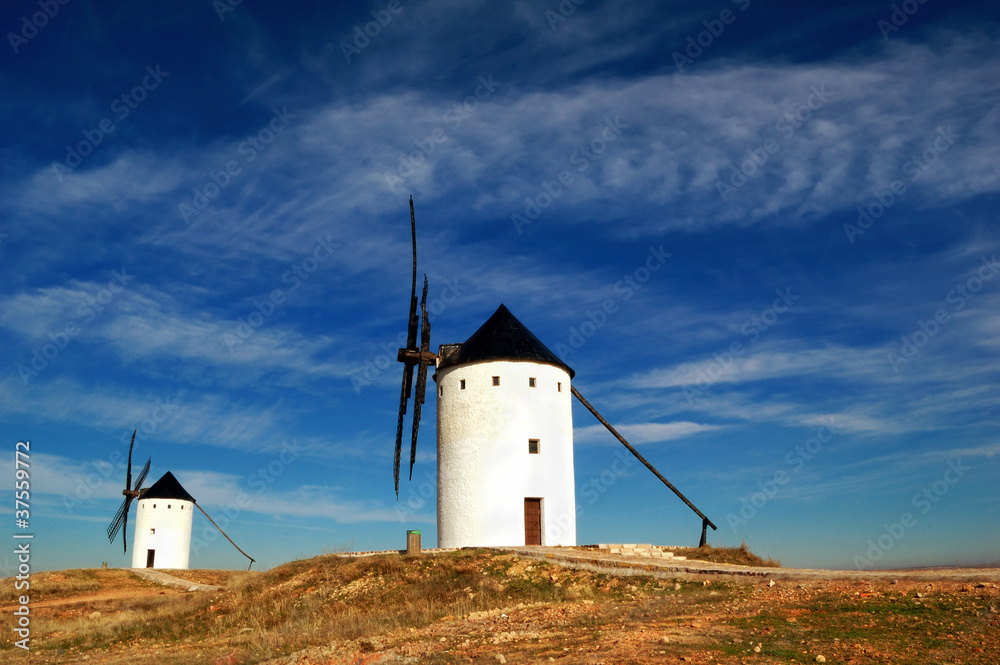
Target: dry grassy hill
(490, 607)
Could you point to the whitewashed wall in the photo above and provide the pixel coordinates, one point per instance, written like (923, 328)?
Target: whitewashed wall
(484, 469)
(172, 540)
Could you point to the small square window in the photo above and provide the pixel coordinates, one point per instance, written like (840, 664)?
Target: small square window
(154, 505)
(532, 446)
(168, 506)
(461, 384)
(440, 390)
(496, 380)
(559, 387)
(152, 531)
(531, 382)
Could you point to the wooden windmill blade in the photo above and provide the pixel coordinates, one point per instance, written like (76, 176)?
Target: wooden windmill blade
(412, 324)
(142, 476)
(412, 356)
(120, 520)
(418, 400)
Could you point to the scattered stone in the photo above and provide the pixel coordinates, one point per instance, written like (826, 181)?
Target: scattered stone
(665, 639)
(821, 659)
(770, 583)
(677, 586)
(94, 615)
(757, 649)
(500, 659)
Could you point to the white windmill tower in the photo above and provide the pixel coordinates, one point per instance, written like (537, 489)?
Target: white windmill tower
(504, 440)
(505, 432)
(164, 518)
(163, 526)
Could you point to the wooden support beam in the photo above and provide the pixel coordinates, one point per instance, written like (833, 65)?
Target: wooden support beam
(705, 520)
(224, 534)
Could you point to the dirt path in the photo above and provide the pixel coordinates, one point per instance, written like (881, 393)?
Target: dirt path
(167, 579)
(624, 566)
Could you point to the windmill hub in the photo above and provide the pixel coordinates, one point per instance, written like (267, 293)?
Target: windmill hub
(415, 356)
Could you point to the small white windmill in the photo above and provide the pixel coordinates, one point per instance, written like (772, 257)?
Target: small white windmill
(505, 432)
(164, 518)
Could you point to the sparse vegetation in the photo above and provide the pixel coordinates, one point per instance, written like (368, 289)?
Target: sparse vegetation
(452, 607)
(736, 555)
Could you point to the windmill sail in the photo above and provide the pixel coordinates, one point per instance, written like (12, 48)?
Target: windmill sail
(120, 521)
(413, 356)
(418, 400)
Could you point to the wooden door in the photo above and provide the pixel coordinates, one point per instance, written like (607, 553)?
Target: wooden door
(532, 521)
(149, 558)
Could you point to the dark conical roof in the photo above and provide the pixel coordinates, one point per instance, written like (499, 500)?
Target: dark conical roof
(503, 337)
(167, 487)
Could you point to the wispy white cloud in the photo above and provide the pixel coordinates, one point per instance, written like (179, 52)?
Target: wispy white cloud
(640, 433)
(764, 363)
(143, 323)
(226, 491)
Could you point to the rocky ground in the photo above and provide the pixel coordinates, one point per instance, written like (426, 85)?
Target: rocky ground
(525, 606)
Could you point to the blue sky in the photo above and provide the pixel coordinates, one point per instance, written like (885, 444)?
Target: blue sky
(763, 234)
